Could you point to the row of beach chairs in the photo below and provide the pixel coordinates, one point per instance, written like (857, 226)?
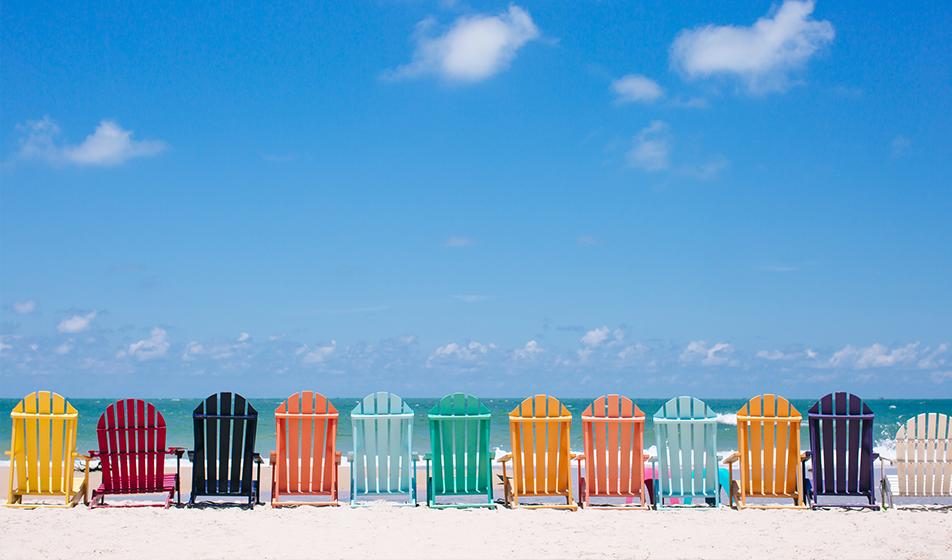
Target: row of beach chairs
(613, 469)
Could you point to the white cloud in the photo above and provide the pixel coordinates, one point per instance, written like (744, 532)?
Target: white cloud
(156, 346)
(464, 352)
(24, 307)
(587, 240)
(595, 337)
(635, 88)
(473, 49)
(458, 241)
(941, 376)
(192, 350)
(875, 356)
(762, 55)
(934, 358)
(63, 349)
(318, 354)
(528, 352)
(244, 337)
(652, 147)
(76, 323)
(716, 354)
(108, 145)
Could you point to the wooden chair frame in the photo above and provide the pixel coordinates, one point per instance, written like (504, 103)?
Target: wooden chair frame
(299, 468)
(45, 471)
(678, 475)
(923, 460)
(553, 470)
(402, 419)
(460, 454)
(755, 419)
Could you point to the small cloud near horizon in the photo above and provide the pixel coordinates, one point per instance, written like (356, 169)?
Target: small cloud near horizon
(109, 145)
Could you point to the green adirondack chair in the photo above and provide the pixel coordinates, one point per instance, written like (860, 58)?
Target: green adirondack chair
(462, 461)
(382, 462)
(687, 467)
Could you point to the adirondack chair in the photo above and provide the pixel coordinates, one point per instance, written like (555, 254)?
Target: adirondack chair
(42, 451)
(841, 449)
(771, 464)
(225, 425)
(687, 469)
(923, 459)
(131, 434)
(306, 461)
(382, 462)
(462, 461)
(613, 430)
(539, 433)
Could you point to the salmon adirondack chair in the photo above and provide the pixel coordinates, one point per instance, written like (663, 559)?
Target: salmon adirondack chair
(841, 449)
(923, 459)
(687, 468)
(771, 464)
(306, 461)
(539, 433)
(613, 429)
(42, 451)
(382, 462)
(131, 434)
(462, 461)
(225, 425)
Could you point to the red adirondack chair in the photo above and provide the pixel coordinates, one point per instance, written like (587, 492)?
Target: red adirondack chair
(132, 453)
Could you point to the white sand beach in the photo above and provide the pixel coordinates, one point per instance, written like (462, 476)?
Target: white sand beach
(385, 531)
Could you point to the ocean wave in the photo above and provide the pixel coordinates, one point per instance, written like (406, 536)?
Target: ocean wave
(729, 419)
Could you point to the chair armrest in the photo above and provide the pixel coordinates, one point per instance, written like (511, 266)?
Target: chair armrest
(732, 458)
(804, 456)
(350, 456)
(886, 459)
(93, 454)
(649, 458)
(177, 451)
(875, 456)
(337, 458)
(10, 453)
(578, 457)
(81, 457)
(256, 457)
(191, 456)
(273, 459)
(427, 456)
(504, 458)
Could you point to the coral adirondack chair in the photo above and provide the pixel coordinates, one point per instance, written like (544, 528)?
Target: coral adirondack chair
(771, 464)
(539, 433)
(42, 451)
(306, 461)
(841, 449)
(686, 439)
(613, 429)
(382, 462)
(131, 434)
(923, 459)
(462, 461)
(225, 425)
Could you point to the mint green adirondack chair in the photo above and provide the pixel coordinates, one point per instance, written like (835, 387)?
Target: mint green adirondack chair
(382, 462)
(687, 468)
(462, 461)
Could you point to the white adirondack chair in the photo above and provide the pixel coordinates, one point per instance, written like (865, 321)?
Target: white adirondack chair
(923, 460)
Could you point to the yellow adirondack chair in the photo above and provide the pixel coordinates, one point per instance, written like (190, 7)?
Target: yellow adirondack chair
(539, 430)
(771, 464)
(43, 446)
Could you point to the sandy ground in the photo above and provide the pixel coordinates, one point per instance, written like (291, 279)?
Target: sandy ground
(385, 531)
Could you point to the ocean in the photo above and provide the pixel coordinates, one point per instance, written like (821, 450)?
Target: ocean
(890, 414)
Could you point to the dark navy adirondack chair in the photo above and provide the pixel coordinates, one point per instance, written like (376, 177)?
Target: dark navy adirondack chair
(225, 427)
(841, 449)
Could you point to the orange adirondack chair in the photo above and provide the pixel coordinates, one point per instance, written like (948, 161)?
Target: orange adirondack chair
(539, 431)
(306, 461)
(771, 463)
(613, 429)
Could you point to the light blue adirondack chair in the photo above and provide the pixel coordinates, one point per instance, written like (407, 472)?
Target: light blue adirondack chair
(687, 467)
(382, 462)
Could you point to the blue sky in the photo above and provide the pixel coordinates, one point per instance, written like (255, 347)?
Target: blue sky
(641, 197)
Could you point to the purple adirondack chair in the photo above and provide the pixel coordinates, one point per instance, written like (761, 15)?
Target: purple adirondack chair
(841, 449)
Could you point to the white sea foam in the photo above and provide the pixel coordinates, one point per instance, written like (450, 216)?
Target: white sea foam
(730, 419)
